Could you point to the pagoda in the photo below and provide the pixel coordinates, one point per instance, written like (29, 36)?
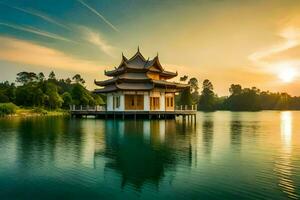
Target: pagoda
(140, 84)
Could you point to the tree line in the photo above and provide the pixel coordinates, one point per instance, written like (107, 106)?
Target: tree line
(35, 90)
(240, 99)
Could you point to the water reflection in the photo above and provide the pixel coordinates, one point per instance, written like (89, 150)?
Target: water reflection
(207, 132)
(138, 152)
(90, 158)
(284, 166)
(236, 131)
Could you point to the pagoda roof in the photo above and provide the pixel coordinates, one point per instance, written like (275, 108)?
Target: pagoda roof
(167, 83)
(132, 74)
(138, 63)
(141, 86)
(131, 77)
(126, 86)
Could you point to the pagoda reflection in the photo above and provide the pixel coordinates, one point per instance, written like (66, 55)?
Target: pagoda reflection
(143, 151)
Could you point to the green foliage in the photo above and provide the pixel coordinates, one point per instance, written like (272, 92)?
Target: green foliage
(7, 92)
(67, 100)
(186, 97)
(39, 110)
(37, 91)
(52, 76)
(246, 99)
(81, 96)
(207, 98)
(77, 78)
(7, 109)
(53, 99)
(3, 98)
(98, 100)
(26, 77)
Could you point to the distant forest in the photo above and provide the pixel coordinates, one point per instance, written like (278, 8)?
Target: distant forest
(240, 99)
(35, 90)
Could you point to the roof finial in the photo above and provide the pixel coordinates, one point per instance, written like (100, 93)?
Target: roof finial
(138, 48)
(157, 54)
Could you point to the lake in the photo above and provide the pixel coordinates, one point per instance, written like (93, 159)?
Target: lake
(224, 155)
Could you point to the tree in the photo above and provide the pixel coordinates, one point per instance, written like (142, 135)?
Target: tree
(184, 78)
(81, 96)
(207, 99)
(26, 77)
(235, 89)
(68, 81)
(52, 76)
(186, 97)
(98, 100)
(77, 78)
(3, 98)
(67, 98)
(194, 90)
(54, 101)
(41, 76)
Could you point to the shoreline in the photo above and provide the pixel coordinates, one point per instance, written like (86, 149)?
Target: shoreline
(35, 112)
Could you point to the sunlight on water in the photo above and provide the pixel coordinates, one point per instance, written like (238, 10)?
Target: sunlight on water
(284, 165)
(286, 124)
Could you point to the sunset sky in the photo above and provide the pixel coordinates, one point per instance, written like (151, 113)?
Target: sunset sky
(252, 43)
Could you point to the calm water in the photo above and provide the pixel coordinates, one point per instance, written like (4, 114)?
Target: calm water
(225, 155)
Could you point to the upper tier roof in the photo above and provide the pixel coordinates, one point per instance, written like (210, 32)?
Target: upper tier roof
(138, 63)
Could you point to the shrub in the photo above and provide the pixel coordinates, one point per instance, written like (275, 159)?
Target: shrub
(7, 109)
(40, 110)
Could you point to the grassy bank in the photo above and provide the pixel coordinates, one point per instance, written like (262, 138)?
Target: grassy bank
(11, 110)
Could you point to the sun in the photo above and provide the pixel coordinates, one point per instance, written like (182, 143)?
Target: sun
(287, 75)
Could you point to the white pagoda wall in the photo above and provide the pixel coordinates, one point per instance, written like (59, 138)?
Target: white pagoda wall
(146, 101)
(162, 101)
(147, 95)
(109, 104)
(110, 101)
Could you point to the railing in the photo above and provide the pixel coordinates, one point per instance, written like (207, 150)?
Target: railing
(103, 108)
(186, 107)
(87, 108)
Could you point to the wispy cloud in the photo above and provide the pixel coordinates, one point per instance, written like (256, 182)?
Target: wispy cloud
(27, 53)
(39, 15)
(99, 15)
(281, 56)
(95, 38)
(35, 31)
(291, 37)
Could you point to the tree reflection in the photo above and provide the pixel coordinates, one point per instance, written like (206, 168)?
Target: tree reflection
(48, 141)
(208, 131)
(236, 130)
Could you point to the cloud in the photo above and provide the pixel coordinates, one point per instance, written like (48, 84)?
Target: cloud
(36, 31)
(95, 38)
(27, 53)
(284, 51)
(39, 15)
(99, 15)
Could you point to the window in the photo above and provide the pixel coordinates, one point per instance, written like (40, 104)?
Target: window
(154, 103)
(134, 102)
(172, 101)
(116, 102)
